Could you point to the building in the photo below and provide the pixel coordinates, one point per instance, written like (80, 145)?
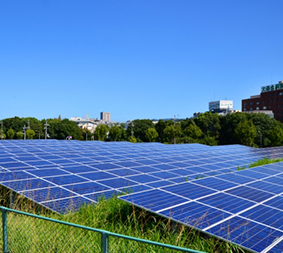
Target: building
(222, 107)
(89, 124)
(105, 116)
(269, 101)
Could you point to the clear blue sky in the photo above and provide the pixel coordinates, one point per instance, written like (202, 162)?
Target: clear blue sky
(135, 59)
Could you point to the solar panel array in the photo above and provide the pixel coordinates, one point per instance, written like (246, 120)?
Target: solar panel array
(172, 180)
(245, 207)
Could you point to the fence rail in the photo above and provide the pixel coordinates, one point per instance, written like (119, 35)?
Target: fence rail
(25, 232)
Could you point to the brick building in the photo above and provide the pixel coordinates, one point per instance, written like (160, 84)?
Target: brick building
(270, 99)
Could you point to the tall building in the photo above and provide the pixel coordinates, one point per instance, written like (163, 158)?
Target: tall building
(105, 116)
(270, 99)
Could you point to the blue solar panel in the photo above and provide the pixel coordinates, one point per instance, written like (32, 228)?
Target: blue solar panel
(215, 183)
(193, 184)
(195, 214)
(250, 193)
(86, 188)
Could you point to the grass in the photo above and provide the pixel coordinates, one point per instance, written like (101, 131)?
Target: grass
(260, 162)
(27, 234)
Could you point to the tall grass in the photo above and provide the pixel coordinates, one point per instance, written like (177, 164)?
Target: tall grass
(27, 234)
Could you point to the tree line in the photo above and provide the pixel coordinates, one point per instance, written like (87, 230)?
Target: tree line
(251, 129)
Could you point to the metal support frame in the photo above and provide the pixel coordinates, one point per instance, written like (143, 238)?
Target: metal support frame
(5, 231)
(104, 242)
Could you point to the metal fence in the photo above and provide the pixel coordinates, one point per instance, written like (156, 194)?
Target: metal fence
(24, 232)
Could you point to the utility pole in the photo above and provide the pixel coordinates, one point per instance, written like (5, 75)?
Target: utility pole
(24, 131)
(45, 128)
(132, 129)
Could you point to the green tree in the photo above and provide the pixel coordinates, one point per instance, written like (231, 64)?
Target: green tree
(193, 131)
(132, 139)
(114, 132)
(172, 132)
(209, 123)
(86, 134)
(151, 134)
(2, 136)
(139, 129)
(60, 129)
(228, 125)
(246, 132)
(20, 135)
(208, 140)
(30, 133)
(101, 132)
(276, 136)
(160, 126)
(10, 133)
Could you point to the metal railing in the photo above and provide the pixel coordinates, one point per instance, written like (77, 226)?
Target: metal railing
(25, 232)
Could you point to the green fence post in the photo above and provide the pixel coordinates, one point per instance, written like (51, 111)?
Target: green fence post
(5, 231)
(104, 242)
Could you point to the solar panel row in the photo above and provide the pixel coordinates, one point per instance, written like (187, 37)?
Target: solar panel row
(245, 207)
(191, 183)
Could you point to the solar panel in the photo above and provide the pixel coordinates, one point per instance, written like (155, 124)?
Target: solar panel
(194, 184)
(234, 206)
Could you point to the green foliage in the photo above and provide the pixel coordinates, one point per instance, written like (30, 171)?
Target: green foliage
(60, 129)
(20, 135)
(2, 136)
(246, 132)
(30, 134)
(264, 161)
(115, 132)
(151, 134)
(132, 139)
(28, 234)
(228, 125)
(276, 136)
(86, 134)
(101, 132)
(10, 133)
(140, 128)
(160, 126)
(172, 131)
(193, 131)
(208, 140)
(209, 123)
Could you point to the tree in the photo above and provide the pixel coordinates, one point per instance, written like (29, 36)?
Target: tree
(209, 123)
(193, 131)
(60, 129)
(276, 136)
(139, 129)
(30, 133)
(10, 133)
(171, 132)
(228, 126)
(160, 126)
(151, 134)
(2, 136)
(246, 132)
(101, 132)
(208, 140)
(86, 133)
(132, 139)
(114, 133)
(20, 135)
